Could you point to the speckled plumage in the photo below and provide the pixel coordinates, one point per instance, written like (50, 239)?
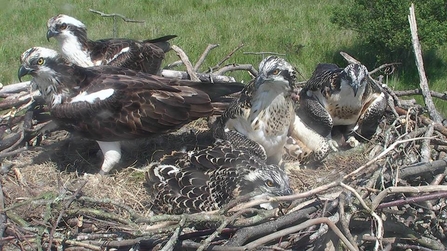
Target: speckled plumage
(109, 104)
(335, 96)
(265, 109)
(207, 179)
(145, 56)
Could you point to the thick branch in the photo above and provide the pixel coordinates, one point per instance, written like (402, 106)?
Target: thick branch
(204, 77)
(185, 60)
(420, 64)
(439, 95)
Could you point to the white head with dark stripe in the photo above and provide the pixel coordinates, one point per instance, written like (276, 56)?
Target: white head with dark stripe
(64, 27)
(41, 63)
(275, 73)
(355, 76)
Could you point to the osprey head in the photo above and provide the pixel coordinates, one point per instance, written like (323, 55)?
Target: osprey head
(38, 62)
(278, 71)
(356, 76)
(267, 180)
(63, 26)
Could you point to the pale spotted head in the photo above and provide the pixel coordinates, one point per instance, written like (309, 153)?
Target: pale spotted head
(39, 62)
(62, 27)
(266, 179)
(277, 71)
(356, 76)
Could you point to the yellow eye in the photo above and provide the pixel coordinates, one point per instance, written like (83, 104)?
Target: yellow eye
(40, 61)
(276, 72)
(63, 26)
(269, 183)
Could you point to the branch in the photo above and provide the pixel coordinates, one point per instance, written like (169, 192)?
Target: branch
(439, 95)
(204, 54)
(391, 190)
(228, 56)
(185, 60)
(349, 58)
(204, 77)
(125, 19)
(239, 67)
(420, 64)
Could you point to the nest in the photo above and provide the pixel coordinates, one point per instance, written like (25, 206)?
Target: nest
(388, 194)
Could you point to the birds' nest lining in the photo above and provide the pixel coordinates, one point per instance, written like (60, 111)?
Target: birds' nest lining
(52, 197)
(46, 199)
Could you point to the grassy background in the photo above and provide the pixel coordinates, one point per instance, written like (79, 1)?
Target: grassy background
(299, 29)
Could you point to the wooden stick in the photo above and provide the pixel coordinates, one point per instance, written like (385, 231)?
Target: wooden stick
(204, 54)
(418, 91)
(435, 116)
(185, 59)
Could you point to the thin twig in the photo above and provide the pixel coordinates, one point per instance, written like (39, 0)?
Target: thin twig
(125, 19)
(203, 56)
(391, 190)
(252, 245)
(227, 56)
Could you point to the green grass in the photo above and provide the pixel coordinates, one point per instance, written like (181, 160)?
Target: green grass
(299, 29)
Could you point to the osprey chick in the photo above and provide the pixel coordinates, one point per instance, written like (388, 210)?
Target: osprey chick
(336, 96)
(207, 179)
(265, 110)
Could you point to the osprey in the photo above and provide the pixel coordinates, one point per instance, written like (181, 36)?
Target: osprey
(109, 104)
(207, 179)
(335, 96)
(145, 56)
(265, 114)
(265, 110)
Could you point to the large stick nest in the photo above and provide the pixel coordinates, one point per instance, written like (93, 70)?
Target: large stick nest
(389, 193)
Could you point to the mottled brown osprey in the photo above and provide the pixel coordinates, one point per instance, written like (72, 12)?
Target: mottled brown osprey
(265, 110)
(109, 104)
(207, 179)
(145, 56)
(335, 96)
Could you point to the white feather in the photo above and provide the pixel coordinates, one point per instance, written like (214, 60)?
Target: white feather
(90, 98)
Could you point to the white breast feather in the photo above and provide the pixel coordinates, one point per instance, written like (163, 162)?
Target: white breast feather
(72, 49)
(272, 144)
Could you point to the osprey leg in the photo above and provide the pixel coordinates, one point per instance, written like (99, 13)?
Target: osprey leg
(112, 155)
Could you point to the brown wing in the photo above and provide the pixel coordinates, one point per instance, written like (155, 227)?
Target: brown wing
(238, 107)
(324, 76)
(131, 54)
(138, 107)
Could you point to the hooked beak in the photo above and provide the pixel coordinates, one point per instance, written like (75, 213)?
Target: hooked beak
(51, 33)
(23, 71)
(355, 87)
(260, 79)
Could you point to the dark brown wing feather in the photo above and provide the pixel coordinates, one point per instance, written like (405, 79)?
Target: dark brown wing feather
(137, 108)
(235, 108)
(202, 181)
(139, 56)
(324, 76)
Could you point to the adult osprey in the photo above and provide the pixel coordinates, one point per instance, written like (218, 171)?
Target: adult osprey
(207, 179)
(336, 96)
(145, 56)
(109, 104)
